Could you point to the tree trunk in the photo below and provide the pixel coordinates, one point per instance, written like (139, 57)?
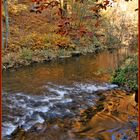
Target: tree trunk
(65, 7)
(3, 40)
(5, 3)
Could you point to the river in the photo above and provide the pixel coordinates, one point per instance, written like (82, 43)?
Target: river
(57, 89)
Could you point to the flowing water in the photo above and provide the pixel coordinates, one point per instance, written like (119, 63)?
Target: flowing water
(58, 89)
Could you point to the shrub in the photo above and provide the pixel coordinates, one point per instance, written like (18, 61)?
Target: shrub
(33, 41)
(127, 74)
(56, 40)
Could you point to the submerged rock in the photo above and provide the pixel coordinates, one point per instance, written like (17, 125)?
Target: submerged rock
(76, 53)
(38, 127)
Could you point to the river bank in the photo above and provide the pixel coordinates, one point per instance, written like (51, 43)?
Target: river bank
(26, 57)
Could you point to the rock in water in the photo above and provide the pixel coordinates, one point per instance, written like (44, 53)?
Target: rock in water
(76, 53)
(38, 127)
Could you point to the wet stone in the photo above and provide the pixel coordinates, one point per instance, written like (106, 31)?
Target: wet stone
(38, 127)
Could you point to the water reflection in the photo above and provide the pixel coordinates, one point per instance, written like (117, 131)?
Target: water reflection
(87, 68)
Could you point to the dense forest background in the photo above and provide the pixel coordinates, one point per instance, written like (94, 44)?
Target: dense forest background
(41, 30)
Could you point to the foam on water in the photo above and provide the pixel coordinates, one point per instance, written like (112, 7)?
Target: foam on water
(61, 93)
(27, 110)
(90, 88)
(41, 109)
(7, 128)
